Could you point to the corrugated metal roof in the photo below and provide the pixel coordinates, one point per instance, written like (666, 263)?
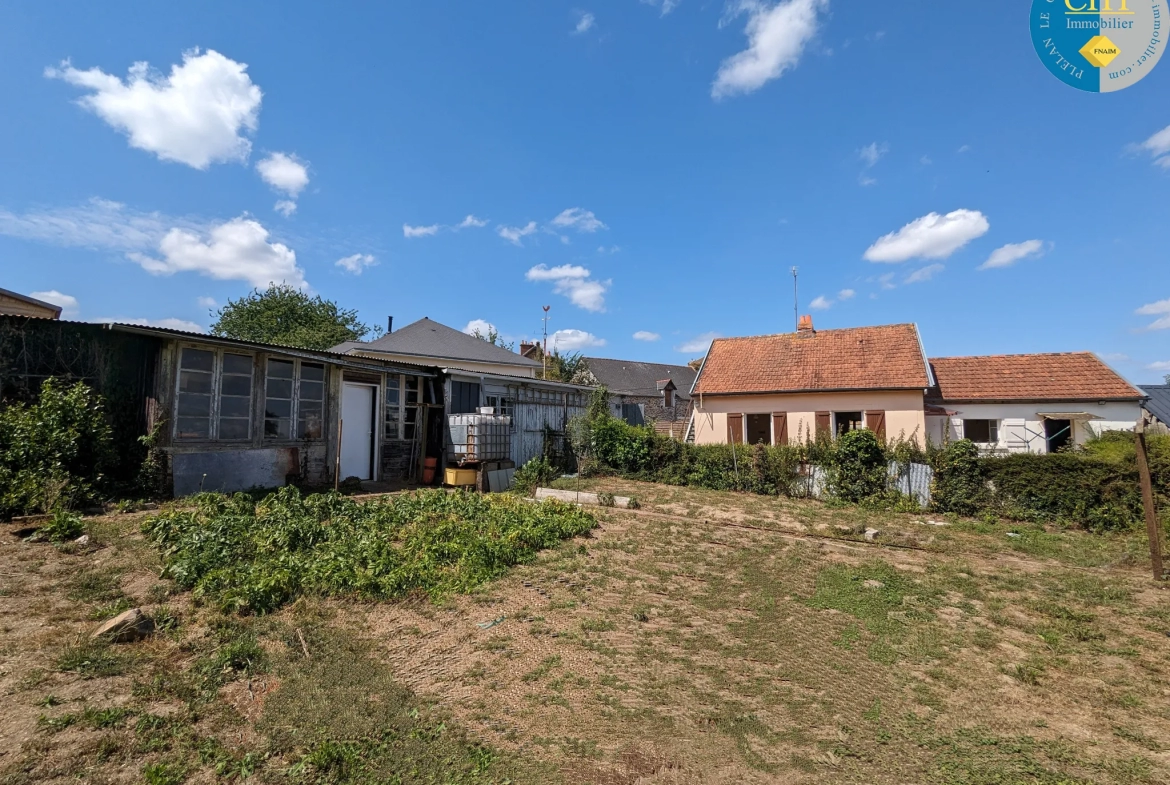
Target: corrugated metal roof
(428, 339)
(347, 360)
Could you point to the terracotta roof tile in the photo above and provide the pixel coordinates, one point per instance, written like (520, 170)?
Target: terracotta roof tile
(1070, 376)
(887, 357)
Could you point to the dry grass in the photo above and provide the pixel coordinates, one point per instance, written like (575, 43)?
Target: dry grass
(709, 637)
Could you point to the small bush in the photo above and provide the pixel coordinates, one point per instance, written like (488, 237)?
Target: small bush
(1080, 489)
(858, 469)
(960, 481)
(536, 473)
(63, 527)
(54, 453)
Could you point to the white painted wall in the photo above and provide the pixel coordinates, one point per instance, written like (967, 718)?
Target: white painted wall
(1021, 430)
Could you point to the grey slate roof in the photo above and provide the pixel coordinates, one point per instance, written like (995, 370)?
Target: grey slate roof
(1159, 403)
(429, 339)
(628, 377)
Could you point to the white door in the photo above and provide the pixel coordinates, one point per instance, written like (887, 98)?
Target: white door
(357, 431)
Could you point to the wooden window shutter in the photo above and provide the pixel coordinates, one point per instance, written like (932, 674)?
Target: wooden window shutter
(824, 423)
(780, 428)
(735, 429)
(876, 422)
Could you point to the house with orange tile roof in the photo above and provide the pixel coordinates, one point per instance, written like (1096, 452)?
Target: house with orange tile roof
(790, 387)
(1028, 402)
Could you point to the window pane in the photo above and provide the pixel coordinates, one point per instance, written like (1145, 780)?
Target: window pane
(277, 408)
(197, 360)
(231, 429)
(311, 408)
(194, 405)
(194, 382)
(236, 385)
(237, 363)
(235, 407)
(312, 373)
(312, 391)
(392, 398)
(392, 382)
(194, 427)
(280, 369)
(278, 429)
(309, 427)
(977, 430)
(391, 430)
(280, 388)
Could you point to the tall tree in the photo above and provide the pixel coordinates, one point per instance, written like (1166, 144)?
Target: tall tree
(287, 316)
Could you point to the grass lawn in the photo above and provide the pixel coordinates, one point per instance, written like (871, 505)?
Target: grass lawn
(707, 637)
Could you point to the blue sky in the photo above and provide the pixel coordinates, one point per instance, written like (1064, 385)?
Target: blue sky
(650, 168)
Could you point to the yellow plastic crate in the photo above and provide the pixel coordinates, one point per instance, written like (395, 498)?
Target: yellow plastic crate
(460, 477)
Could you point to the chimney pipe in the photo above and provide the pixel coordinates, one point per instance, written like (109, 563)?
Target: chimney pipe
(805, 325)
(389, 324)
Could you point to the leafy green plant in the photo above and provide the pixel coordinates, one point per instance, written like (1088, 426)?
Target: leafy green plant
(63, 527)
(532, 475)
(960, 481)
(54, 453)
(287, 316)
(858, 468)
(163, 774)
(253, 557)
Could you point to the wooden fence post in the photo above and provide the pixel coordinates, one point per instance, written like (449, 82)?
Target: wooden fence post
(1153, 527)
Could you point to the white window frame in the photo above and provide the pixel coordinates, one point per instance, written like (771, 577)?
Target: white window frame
(993, 427)
(216, 393)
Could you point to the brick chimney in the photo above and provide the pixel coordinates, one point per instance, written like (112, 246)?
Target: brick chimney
(805, 325)
(529, 350)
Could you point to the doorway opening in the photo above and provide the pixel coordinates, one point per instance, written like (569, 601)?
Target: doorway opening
(759, 429)
(1058, 433)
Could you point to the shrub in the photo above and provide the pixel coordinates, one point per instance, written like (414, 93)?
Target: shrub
(253, 557)
(960, 482)
(858, 468)
(1101, 495)
(63, 526)
(532, 475)
(53, 453)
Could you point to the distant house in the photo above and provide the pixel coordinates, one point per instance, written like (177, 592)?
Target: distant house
(15, 304)
(642, 393)
(475, 374)
(1157, 405)
(792, 387)
(1029, 402)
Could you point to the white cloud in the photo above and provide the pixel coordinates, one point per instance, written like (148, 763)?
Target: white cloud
(66, 302)
(513, 234)
(1158, 146)
(1161, 309)
(206, 302)
(932, 236)
(285, 207)
(700, 343)
(585, 23)
(356, 263)
(1161, 365)
(580, 219)
(419, 231)
(471, 222)
(887, 281)
(601, 249)
(646, 335)
(821, 304)
(197, 115)
(872, 153)
(574, 282)
(166, 324)
(285, 173)
(574, 340)
(925, 160)
(1007, 255)
(777, 35)
(237, 250)
(845, 294)
(482, 326)
(666, 6)
(924, 273)
(865, 180)
(965, 148)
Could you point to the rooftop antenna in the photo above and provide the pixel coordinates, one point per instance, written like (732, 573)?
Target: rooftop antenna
(795, 301)
(544, 351)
